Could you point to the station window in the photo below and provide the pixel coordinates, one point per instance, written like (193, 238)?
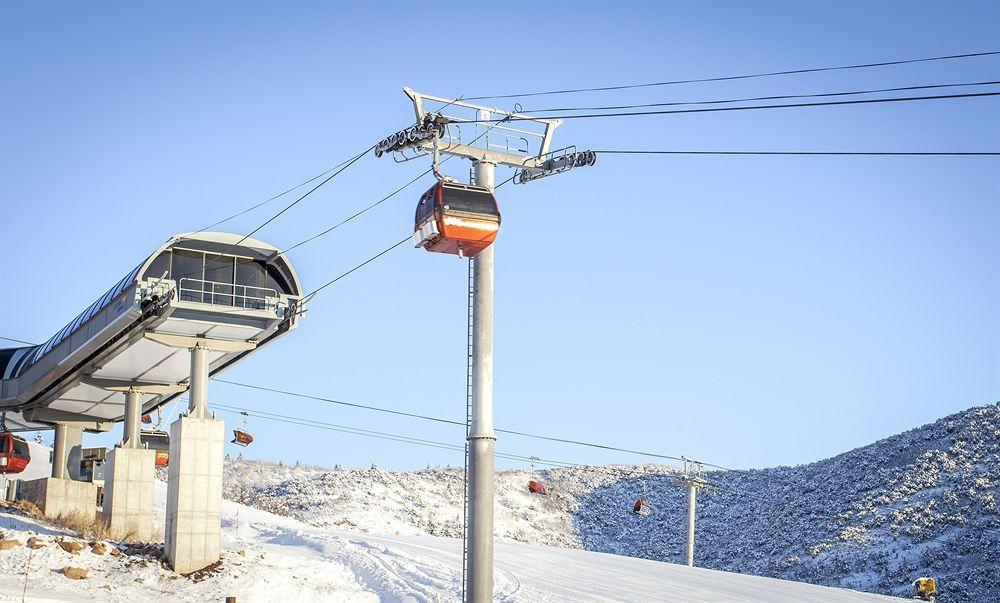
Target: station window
(188, 269)
(219, 279)
(159, 267)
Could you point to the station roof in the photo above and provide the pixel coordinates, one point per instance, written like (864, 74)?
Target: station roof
(238, 255)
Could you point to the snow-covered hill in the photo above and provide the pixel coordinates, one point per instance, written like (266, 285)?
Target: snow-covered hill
(269, 558)
(920, 503)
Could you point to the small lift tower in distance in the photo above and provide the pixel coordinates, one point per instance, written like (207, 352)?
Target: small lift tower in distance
(693, 482)
(488, 137)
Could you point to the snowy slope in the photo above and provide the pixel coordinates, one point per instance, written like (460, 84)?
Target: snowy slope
(922, 502)
(268, 557)
(272, 558)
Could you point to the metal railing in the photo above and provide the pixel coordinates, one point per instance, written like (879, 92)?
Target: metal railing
(246, 297)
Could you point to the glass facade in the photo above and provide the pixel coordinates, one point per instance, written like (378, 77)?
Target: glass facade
(212, 278)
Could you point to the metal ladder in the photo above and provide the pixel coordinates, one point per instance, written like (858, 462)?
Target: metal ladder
(468, 423)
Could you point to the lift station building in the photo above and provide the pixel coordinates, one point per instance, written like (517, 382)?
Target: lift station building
(198, 304)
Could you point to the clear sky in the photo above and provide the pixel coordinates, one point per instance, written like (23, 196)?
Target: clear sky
(750, 311)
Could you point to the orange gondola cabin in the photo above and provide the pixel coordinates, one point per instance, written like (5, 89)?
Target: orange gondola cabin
(460, 219)
(642, 507)
(158, 441)
(537, 488)
(14, 453)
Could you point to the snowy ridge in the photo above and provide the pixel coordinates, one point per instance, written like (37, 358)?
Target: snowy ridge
(873, 519)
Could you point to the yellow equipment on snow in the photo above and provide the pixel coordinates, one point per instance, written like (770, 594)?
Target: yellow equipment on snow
(924, 588)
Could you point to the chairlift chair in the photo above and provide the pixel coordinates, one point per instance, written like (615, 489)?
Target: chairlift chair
(642, 507)
(460, 219)
(241, 436)
(158, 441)
(14, 453)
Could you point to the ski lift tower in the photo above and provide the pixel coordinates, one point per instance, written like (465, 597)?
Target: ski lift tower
(693, 482)
(489, 137)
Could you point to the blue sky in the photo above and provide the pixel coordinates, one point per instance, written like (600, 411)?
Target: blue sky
(750, 311)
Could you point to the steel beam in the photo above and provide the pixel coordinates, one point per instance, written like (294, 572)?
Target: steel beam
(187, 341)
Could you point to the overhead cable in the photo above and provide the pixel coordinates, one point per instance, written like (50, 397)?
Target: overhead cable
(739, 77)
(866, 101)
(278, 196)
(358, 267)
(371, 433)
(761, 98)
(231, 247)
(453, 422)
(807, 153)
(382, 200)
(309, 192)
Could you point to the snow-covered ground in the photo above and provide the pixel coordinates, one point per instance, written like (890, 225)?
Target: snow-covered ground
(271, 558)
(920, 503)
(267, 557)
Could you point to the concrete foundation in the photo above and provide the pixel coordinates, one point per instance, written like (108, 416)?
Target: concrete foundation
(55, 496)
(194, 493)
(128, 494)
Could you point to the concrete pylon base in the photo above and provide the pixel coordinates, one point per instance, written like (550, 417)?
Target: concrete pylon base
(61, 497)
(128, 494)
(194, 494)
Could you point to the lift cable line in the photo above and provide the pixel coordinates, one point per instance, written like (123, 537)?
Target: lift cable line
(18, 340)
(458, 423)
(338, 170)
(809, 153)
(739, 77)
(383, 199)
(357, 213)
(764, 98)
(309, 192)
(312, 294)
(274, 198)
(373, 434)
(866, 101)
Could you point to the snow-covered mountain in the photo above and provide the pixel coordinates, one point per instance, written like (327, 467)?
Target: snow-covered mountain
(923, 502)
(269, 558)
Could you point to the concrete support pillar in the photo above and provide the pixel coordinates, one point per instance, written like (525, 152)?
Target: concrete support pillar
(133, 415)
(194, 494)
(198, 398)
(194, 479)
(66, 452)
(128, 480)
(128, 494)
